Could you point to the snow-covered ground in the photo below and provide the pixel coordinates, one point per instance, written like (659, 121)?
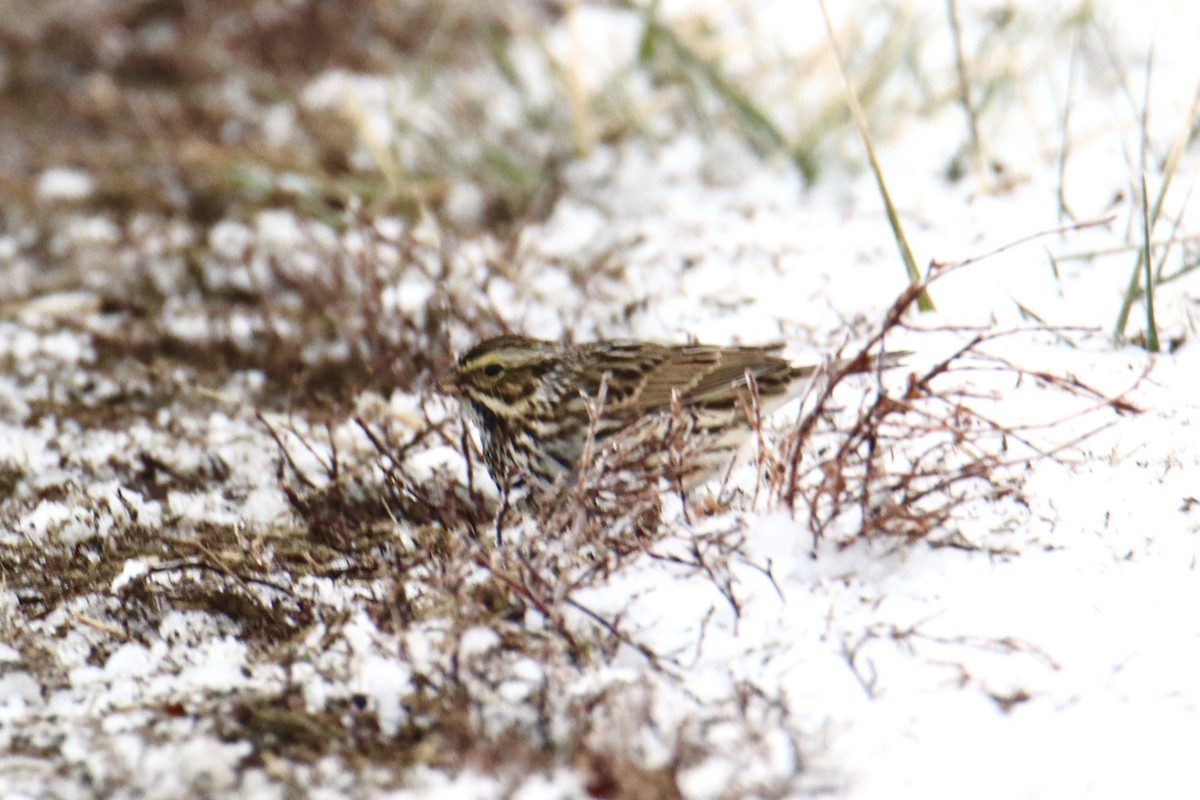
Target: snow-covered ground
(1044, 642)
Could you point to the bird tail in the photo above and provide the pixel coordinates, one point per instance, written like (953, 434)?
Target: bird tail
(864, 362)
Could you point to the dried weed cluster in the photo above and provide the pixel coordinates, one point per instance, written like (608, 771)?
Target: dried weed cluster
(217, 322)
(391, 521)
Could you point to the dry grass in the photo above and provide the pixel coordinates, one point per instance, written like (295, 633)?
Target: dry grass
(169, 125)
(905, 464)
(415, 549)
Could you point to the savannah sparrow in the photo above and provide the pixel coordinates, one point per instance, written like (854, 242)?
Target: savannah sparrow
(530, 399)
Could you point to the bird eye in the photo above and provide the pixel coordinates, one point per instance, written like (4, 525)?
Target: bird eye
(493, 370)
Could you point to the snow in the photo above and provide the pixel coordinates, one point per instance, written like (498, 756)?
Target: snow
(1049, 649)
(63, 184)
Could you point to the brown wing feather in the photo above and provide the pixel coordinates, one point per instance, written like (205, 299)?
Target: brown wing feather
(644, 375)
(702, 375)
(719, 386)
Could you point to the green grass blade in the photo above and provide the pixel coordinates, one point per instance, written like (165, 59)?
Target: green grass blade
(924, 301)
(1151, 325)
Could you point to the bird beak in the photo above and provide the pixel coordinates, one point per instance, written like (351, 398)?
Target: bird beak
(448, 383)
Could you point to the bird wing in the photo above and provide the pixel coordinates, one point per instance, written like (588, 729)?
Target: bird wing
(643, 377)
(708, 376)
(721, 385)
